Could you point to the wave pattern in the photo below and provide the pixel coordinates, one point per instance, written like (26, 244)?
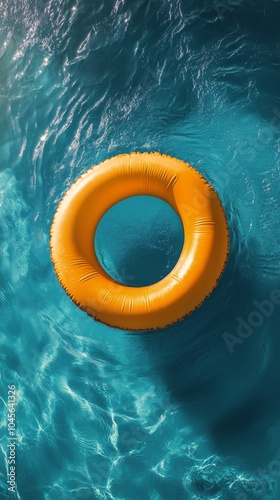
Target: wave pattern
(190, 412)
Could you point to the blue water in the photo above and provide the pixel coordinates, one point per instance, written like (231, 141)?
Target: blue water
(139, 240)
(183, 413)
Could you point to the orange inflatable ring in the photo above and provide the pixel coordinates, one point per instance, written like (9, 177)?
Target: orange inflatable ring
(198, 269)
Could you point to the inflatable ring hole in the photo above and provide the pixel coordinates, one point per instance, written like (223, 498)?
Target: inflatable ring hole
(139, 240)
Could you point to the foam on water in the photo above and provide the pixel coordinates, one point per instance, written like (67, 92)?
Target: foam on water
(172, 414)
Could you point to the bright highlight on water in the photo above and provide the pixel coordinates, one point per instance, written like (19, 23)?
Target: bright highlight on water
(190, 411)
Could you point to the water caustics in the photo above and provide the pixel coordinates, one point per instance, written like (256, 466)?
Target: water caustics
(190, 412)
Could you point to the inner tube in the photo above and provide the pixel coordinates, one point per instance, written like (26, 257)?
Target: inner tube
(199, 267)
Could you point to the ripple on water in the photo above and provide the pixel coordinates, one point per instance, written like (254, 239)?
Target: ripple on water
(108, 414)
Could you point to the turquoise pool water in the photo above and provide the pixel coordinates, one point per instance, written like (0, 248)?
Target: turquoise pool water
(190, 412)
